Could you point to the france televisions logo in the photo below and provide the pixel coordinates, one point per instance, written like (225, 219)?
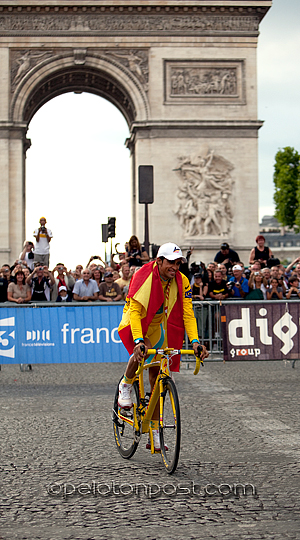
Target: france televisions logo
(7, 337)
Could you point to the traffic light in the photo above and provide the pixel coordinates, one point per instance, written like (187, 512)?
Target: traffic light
(104, 232)
(111, 227)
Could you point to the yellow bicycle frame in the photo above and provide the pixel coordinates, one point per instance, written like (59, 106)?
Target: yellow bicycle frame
(142, 414)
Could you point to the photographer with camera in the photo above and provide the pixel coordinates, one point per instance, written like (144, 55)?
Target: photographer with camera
(135, 253)
(41, 280)
(27, 256)
(239, 284)
(64, 278)
(43, 237)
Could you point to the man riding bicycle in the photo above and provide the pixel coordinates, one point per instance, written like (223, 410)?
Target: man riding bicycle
(158, 310)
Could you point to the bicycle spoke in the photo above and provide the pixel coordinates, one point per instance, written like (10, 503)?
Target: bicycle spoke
(170, 430)
(124, 432)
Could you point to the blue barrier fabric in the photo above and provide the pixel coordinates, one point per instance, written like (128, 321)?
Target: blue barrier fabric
(65, 334)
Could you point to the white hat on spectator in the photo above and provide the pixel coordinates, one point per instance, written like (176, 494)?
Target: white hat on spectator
(237, 267)
(171, 252)
(62, 288)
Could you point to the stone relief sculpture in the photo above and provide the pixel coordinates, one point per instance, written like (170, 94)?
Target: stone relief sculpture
(24, 62)
(201, 81)
(122, 23)
(135, 60)
(205, 194)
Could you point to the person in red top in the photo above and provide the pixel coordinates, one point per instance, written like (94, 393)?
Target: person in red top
(157, 311)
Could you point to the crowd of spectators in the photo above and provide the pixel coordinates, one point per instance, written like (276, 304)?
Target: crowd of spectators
(222, 279)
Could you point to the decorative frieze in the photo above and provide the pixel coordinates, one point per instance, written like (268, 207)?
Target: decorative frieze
(204, 81)
(120, 23)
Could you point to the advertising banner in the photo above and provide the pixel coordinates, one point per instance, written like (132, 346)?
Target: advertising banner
(260, 331)
(35, 335)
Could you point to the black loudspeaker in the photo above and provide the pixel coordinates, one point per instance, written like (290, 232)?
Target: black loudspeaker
(146, 184)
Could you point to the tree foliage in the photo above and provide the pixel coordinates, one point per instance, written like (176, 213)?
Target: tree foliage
(287, 187)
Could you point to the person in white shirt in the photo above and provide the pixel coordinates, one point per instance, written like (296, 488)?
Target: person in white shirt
(43, 237)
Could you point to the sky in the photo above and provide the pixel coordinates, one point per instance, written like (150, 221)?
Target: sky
(78, 150)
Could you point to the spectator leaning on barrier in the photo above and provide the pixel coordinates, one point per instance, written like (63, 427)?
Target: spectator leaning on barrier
(19, 292)
(63, 295)
(63, 278)
(27, 255)
(41, 281)
(109, 291)
(274, 293)
(293, 291)
(227, 256)
(43, 237)
(85, 289)
(240, 286)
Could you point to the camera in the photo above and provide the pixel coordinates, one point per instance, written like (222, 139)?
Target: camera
(230, 285)
(41, 268)
(257, 273)
(43, 229)
(60, 268)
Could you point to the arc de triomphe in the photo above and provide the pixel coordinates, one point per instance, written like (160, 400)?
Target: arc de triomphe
(182, 72)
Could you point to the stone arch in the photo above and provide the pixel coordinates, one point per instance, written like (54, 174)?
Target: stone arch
(102, 76)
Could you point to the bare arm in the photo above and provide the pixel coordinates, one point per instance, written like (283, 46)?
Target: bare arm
(290, 266)
(252, 256)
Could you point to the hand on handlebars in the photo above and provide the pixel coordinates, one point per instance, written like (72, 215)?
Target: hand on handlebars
(200, 351)
(140, 351)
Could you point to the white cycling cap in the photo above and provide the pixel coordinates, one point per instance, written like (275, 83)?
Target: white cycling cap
(237, 267)
(171, 252)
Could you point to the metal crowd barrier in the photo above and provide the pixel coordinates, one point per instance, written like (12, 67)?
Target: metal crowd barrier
(85, 329)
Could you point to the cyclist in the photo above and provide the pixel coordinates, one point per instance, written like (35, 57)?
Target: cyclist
(158, 309)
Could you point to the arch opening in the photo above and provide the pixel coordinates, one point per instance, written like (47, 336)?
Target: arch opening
(80, 79)
(78, 175)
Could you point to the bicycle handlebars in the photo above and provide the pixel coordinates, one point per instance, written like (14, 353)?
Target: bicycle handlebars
(168, 350)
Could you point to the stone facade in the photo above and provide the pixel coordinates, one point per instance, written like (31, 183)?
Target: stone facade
(183, 73)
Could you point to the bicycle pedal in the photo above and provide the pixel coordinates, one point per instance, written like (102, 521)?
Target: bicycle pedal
(126, 412)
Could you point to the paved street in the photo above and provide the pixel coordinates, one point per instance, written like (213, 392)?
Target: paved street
(240, 428)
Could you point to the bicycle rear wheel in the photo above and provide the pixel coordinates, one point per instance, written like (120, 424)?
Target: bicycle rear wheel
(170, 431)
(126, 438)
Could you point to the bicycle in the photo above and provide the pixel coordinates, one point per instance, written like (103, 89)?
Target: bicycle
(129, 425)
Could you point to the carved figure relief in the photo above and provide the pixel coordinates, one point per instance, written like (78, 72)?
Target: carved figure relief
(122, 23)
(23, 61)
(205, 194)
(135, 60)
(200, 81)
(203, 81)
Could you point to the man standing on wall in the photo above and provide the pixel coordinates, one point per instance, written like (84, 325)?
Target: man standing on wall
(43, 237)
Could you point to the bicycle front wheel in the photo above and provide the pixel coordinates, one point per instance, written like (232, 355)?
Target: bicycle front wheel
(170, 431)
(126, 438)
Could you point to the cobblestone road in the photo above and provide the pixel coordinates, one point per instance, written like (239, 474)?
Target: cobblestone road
(240, 426)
